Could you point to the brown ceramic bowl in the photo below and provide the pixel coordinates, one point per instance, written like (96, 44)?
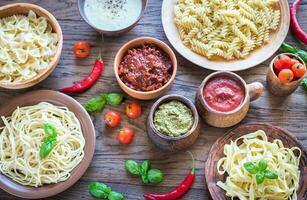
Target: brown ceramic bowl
(137, 43)
(278, 88)
(273, 132)
(32, 98)
(106, 32)
(173, 143)
(24, 8)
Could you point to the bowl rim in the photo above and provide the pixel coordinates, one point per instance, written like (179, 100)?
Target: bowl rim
(108, 32)
(43, 74)
(181, 99)
(212, 186)
(229, 74)
(131, 44)
(88, 130)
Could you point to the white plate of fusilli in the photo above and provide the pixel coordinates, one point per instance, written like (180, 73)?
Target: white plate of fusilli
(226, 35)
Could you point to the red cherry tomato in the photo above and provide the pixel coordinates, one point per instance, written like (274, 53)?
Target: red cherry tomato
(133, 110)
(294, 61)
(81, 49)
(282, 62)
(286, 75)
(299, 70)
(125, 136)
(112, 119)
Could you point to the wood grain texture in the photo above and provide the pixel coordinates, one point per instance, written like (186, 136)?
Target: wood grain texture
(107, 166)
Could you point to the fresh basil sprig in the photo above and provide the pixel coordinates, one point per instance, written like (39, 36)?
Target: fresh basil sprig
(144, 170)
(50, 142)
(97, 103)
(102, 191)
(260, 170)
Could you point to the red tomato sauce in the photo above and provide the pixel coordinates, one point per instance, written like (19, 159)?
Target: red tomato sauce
(223, 93)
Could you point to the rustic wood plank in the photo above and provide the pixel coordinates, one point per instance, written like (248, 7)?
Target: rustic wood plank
(107, 166)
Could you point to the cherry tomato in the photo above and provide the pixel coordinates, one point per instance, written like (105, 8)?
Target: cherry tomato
(299, 70)
(286, 75)
(294, 61)
(112, 119)
(125, 136)
(81, 49)
(282, 62)
(133, 110)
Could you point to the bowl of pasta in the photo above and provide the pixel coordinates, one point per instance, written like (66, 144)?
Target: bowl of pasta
(47, 142)
(257, 161)
(30, 47)
(226, 35)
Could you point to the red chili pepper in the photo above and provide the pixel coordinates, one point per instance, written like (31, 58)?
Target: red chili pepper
(300, 34)
(183, 188)
(88, 81)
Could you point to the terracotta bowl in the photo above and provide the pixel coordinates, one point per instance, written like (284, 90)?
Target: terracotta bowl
(24, 8)
(173, 143)
(136, 43)
(273, 132)
(56, 98)
(111, 33)
(275, 86)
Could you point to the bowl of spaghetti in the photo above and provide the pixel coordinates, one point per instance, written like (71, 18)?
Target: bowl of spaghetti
(257, 161)
(47, 141)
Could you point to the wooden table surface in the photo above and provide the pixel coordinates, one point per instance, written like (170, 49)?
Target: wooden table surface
(107, 166)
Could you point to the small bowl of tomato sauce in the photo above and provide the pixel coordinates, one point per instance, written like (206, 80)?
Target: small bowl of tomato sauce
(285, 74)
(145, 68)
(223, 98)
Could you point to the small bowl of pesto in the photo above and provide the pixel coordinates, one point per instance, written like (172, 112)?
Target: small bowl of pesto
(112, 17)
(173, 123)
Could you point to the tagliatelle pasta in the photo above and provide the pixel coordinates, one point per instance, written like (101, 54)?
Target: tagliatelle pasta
(27, 45)
(254, 147)
(230, 29)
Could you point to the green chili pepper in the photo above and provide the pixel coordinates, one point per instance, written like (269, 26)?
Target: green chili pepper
(290, 49)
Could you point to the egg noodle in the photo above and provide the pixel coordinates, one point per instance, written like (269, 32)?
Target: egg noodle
(254, 147)
(23, 135)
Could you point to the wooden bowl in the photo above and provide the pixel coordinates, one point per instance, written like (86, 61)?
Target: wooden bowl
(56, 98)
(106, 32)
(24, 8)
(256, 57)
(275, 86)
(137, 43)
(273, 132)
(173, 143)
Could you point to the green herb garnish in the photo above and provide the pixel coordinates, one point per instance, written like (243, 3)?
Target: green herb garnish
(97, 103)
(260, 170)
(144, 170)
(50, 142)
(304, 84)
(102, 191)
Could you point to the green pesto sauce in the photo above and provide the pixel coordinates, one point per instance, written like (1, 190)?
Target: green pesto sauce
(173, 118)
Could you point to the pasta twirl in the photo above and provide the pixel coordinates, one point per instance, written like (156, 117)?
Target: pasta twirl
(209, 27)
(254, 147)
(27, 45)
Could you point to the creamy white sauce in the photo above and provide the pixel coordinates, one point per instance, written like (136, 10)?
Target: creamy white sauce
(112, 15)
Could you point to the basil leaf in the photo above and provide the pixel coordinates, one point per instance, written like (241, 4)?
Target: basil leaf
(114, 99)
(115, 196)
(250, 167)
(50, 130)
(260, 177)
(304, 84)
(132, 167)
(262, 165)
(145, 179)
(155, 176)
(47, 147)
(99, 190)
(270, 175)
(96, 104)
(145, 166)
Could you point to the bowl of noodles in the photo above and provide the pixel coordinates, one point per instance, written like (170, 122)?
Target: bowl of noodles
(257, 161)
(26, 170)
(30, 47)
